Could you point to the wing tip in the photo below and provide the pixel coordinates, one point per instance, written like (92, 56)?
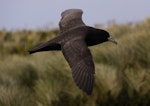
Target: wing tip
(30, 52)
(87, 91)
(87, 87)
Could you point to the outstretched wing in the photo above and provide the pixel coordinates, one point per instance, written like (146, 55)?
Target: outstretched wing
(80, 60)
(46, 46)
(70, 18)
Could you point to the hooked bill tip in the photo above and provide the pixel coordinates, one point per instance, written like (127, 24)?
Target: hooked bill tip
(112, 40)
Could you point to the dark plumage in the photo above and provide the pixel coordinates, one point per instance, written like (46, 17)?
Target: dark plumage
(73, 39)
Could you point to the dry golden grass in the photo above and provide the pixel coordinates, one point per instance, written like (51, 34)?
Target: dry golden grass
(44, 79)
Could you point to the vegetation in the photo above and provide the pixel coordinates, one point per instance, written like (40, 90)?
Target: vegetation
(44, 79)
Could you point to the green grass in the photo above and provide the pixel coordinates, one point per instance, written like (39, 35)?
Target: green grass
(44, 79)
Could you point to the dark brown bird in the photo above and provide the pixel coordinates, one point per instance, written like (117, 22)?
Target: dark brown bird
(73, 39)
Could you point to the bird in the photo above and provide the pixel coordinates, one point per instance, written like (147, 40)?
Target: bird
(73, 39)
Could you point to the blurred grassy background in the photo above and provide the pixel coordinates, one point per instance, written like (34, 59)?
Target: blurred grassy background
(44, 79)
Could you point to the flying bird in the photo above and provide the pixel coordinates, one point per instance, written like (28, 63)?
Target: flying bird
(73, 40)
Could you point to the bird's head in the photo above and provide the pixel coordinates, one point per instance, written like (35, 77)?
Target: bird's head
(97, 36)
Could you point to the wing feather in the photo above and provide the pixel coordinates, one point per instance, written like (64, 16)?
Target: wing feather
(80, 60)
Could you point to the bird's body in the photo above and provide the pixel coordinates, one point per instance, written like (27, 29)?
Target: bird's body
(73, 40)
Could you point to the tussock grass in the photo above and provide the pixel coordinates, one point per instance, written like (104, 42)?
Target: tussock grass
(44, 79)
